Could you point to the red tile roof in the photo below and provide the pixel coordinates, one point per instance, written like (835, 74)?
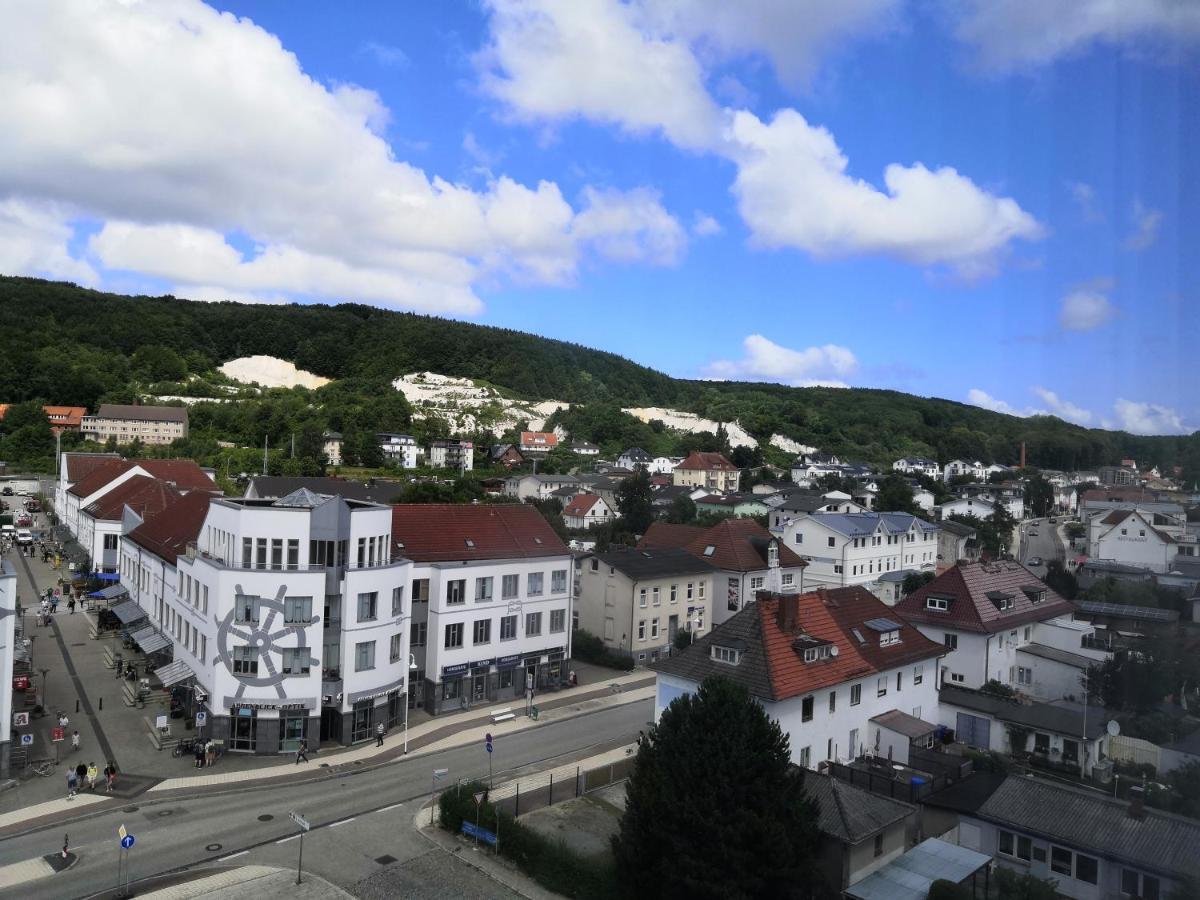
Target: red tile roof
(739, 545)
(100, 475)
(581, 505)
(145, 496)
(440, 532)
(698, 459)
(539, 439)
(183, 473)
(168, 533)
(967, 586)
(79, 465)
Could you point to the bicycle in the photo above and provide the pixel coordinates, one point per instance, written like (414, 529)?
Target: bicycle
(45, 769)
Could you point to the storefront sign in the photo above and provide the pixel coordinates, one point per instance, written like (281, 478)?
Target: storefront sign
(239, 703)
(483, 663)
(508, 662)
(456, 669)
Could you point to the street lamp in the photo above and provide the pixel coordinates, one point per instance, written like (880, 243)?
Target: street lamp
(412, 667)
(44, 671)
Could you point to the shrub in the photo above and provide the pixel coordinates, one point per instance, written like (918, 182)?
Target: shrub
(589, 648)
(942, 889)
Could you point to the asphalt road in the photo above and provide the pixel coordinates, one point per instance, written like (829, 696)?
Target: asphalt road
(183, 833)
(1045, 543)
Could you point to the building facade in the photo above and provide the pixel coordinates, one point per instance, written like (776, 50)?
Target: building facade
(8, 650)
(125, 424)
(400, 449)
(707, 470)
(448, 454)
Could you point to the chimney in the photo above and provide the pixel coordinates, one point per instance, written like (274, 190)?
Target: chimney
(788, 614)
(1137, 802)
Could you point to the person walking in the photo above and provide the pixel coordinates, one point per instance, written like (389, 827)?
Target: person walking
(92, 774)
(210, 753)
(80, 774)
(63, 721)
(110, 775)
(72, 783)
(71, 606)
(199, 756)
(379, 735)
(302, 751)
(75, 741)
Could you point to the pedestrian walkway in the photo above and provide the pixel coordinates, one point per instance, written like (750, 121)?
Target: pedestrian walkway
(245, 881)
(34, 869)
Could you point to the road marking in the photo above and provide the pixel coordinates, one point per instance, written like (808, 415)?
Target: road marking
(386, 808)
(286, 839)
(343, 822)
(233, 856)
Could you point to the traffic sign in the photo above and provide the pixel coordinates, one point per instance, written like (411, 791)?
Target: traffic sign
(127, 842)
(57, 734)
(121, 832)
(20, 720)
(439, 774)
(27, 740)
(487, 741)
(201, 719)
(300, 820)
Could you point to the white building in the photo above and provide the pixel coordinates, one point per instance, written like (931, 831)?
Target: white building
(587, 511)
(968, 506)
(400, 449)
(961, 468)
(913, 465)
(8, 650)
(447, 454)
(126, 424)
(492, 595)
(857, 548)
(584, 448)
(635, 458)
(118, 512)
(74, 467)
(800, 502)
(331, 446)
(841, 676)
(1130, 537)
(923, 498)
(537, 487)
(663, 465)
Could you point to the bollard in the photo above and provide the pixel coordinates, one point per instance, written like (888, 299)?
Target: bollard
(550, 802)
(102, 703)
(77, 706)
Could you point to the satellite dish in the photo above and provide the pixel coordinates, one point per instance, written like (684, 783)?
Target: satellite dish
(833, 651)
(1113, 727)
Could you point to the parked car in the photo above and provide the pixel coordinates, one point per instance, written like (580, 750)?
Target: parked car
(1034, 561)
(24, 536)
(7, 492)
(8, 531)
(1033, 534)
(33, 506)
(1052, 520)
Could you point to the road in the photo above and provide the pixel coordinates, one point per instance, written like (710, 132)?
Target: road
(1045, 543)
(183, 833)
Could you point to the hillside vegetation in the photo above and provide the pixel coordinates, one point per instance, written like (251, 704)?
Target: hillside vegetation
(63, 344)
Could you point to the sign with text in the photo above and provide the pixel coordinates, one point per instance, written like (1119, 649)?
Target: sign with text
(57, 734)
(300, 820)
(201, 719)
(20, 720)
(160, 721)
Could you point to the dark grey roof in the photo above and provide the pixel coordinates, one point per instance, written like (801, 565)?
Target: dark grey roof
(637, 454)
(903, 723)
(1143, 613)
(956, 528)
(143, 413)
(1095, 823)
(968, 794)
(272, 487)
(696, 662)
(1062, 656)
(852, 814)
(803, 501)
(1058, 718)
(639, 564)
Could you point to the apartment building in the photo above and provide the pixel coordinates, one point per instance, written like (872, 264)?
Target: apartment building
(108, 474)
(331, 446)
(448, 454)
(917, 465)
(125, 424)
(706, 470)
(8, 651)
(118, 512)
(400, 449)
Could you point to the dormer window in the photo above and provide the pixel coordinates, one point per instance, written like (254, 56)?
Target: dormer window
(816, 654)
(938, 604)
(710, 550)
(772, 554)
(1035, 593)
(887, 638)
(728, 655)
(1002, 601)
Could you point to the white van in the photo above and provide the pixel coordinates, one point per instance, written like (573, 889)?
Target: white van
(24, 536)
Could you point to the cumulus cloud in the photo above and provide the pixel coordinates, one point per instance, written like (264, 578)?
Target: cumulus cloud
(630, 226)
(1147, 418)
(639, 66)
(704, 225)
(1087, 307)
(765, 360)
(1011, 34)
(175, 125)
(385, 54)
(33, 241)
(1146, 223)
(978, 397)
(1064, 409)
(1084, 196)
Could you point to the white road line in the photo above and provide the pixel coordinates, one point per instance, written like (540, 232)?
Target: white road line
(286, 839)
(343, 822)
(386, 808)
(233, 856)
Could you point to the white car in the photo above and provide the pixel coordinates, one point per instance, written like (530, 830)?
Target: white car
(24, 536)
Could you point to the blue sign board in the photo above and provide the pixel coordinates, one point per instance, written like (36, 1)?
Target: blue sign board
(201, 718)
(26, 740)
(487, 741)
(482, 663)
(456, 669)
(470, 829)
(127, 842)
(507, 662)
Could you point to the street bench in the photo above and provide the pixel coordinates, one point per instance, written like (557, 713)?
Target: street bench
(503, 715)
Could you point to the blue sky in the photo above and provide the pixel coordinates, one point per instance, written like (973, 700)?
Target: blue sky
(987, 200)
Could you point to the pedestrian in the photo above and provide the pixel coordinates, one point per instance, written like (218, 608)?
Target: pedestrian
(572, 679)
(75, 741)
(210, 752)
(80, 774)
(110, 775)
(302, 751)
(72, 783)
(54, 604)
(63, 721)
(379, 735)
(199, 755)
(92, 774)
(71, 605)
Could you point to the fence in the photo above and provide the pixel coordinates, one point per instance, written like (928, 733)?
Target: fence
(1134, 750)
(558, 785)
(886, 783)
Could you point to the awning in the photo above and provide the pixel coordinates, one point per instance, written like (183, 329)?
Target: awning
(109, 593)
(105, 576)
(128, 612)
(173, 673)
(149, 639)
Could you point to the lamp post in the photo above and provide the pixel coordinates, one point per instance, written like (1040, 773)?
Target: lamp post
(44, 671)
(412, 667)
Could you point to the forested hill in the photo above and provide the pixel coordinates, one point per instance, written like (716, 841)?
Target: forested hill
(65, 344)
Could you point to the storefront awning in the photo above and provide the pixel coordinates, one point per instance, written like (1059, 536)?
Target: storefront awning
(109, 593)
(150, 639)
(173, 673)
(105, 576)
(128, 612)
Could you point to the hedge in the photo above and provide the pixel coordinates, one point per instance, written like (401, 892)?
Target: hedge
(589, 648)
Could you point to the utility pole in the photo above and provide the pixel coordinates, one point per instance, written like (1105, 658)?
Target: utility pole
(264, 454)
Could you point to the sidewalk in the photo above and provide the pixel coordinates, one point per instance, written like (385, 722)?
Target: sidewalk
(257, 881)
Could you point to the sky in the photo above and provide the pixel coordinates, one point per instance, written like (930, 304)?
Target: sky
(991, 201)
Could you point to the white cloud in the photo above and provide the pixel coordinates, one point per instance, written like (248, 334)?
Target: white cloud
(1064, 409)
(33, 241)
(1009, 34)
(638, 66)
(1087, 307)
(704, 225)
(385, 54)
(175, 125)
(1147, 418)
(765, 360)
(977, 397)
(629, 227)
(1084, 196)
(1146, 223)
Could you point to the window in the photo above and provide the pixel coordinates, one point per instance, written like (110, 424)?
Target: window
(1060, 861)
(1087, 868)
(368, 606)
(653, 628)
(699, 588)
(510, 585)
(418, 634)
(245, 661)
(787, 579)
(899, 681)
(833, 701)
(951, 641)
(297, 610)
(805, 757)
(888, 638)
(420, 590)
(481, 632)
(881, 686)
(533, 624)
(245, 608)
(508, 628)
(941, 604)
(799, 538)
(831, 541)
(456, 592)
(1135, 884)
(806, 709)
(364, 656)
(295, 660)
(276, 553)
(1024, 848)
(725, 654)
(641, 629)
(558, 620)
(1070, 751)
(483, 590)
(558, 581)
(674, 593)
(955, 677)
(534, 588)
(110, 542)
(398, 600)
(756, 583)
(1024, 675)
(656, 599)
(247, 552)
(855, 694)
(918, 674)
(293, 554)
(642, 597)
(454, 635)
(1008, 843)
(879, 844)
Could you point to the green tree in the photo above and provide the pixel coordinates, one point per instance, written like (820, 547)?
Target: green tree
(1039, 495)
(1011, 885)
(154, 362)
(895, 495)
(682, 511)
(1060, 580)
(633, 500)
(745, 829)
(914, 580)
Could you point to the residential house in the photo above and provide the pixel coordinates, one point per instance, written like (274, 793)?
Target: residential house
(708, 470)
(126, 424)
(1117, 475)
(636, 601)
(917, 465)
(506, 455)
(72, 467)
(1130, 537)
(956, 542)
(456, 455)
(967, 506)
(913, 874)
(117, 512)
(537, 487)
(400, 449)
(635, 458)
(960, 468)
(1010, 495)
(583, 448)
(62, 418)
(1093, 846)
(802, 502)
(996, 469)
(824, 664)
(732, 505)
(538, 441)
(331, 447)
(859, 548)
(923, 498)
(806, 474)
(492, 598)
(748, 558)
(984, 613)
(587, 511)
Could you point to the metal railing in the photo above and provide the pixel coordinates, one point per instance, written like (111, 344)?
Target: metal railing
(566, 783)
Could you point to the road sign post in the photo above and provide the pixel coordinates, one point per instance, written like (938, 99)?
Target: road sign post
(125, 842)
(303, 825)
(57, 734)
(438, 775)
(487, 742)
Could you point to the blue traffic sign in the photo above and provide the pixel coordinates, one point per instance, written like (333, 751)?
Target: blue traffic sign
(26, 740)
(127, 842)
(487, 738)
(470, 829)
